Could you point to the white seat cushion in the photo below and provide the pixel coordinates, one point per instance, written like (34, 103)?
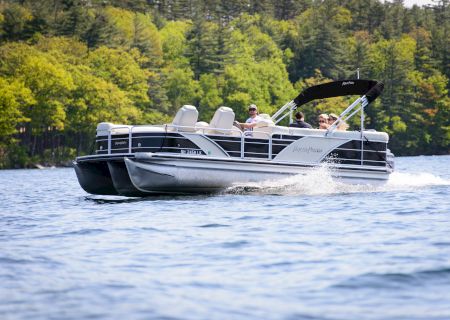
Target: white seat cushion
(185, 119)
(223, 119)
(265, 121)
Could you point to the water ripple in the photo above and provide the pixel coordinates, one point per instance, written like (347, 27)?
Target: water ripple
(301, 248)
(235, 244)
(214, 225)
(394, 280)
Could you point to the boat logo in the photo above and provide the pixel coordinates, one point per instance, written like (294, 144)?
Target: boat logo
(307, 150)
(345, 83)
(119, 143)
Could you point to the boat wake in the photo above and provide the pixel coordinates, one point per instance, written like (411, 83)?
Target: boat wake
(319, 181)
(403, 179)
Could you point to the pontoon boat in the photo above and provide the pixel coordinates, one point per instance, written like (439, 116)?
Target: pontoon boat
(187, 156)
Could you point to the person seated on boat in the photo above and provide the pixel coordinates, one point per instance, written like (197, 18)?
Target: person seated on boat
(323, 121)
(300, 121)
(332, 119)
(251, 122)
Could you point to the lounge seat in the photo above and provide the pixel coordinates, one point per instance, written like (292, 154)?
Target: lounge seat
(222, 122)
(201, 126)
(263, 128)
(185, 119)
(103, 128)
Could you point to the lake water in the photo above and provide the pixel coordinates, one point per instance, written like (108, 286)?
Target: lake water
(302, 248)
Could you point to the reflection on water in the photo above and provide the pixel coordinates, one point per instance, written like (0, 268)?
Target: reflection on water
(98, 199)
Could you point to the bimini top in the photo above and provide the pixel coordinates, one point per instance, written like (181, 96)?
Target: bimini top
(370, 88)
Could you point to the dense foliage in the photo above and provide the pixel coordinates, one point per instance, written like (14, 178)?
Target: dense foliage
(66, 65)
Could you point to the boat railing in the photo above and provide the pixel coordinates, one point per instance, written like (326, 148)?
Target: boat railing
(169, 128)
(233, 132)
(121, 139)
(252, 135)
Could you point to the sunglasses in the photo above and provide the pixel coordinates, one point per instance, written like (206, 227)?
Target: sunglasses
(322, 121)
(251, 109)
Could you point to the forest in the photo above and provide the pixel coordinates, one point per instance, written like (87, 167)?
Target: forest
(66, 65)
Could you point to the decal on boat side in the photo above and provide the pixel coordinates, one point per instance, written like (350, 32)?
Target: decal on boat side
(191, 151)
(306, 149)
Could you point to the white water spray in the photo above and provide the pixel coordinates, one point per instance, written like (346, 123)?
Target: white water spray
(399, 179)
(320, 181)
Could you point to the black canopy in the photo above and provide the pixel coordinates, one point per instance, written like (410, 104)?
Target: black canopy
(370, 88)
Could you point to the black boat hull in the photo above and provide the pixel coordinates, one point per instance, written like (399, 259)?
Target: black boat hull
(95, 178)
(121, 180)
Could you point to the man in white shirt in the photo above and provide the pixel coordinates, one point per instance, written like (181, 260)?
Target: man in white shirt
(254, 118)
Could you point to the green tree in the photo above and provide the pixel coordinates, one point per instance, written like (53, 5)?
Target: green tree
(358, 48)
(122, 69)
(16, 19)
(14, 99)
(203, 48)
(288, 9)
(210, 97)
(393, 62)
(181, 88)
(321, 43)
(49, 83)
(367, 15)
(112, 27)
(77, 19)
(175, 44)
(441, 35)
(423, 59)
(147, 39)
(428, 124)
(96, 100)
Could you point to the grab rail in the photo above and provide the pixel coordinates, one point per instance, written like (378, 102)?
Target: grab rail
(248, 137)
(129, 130)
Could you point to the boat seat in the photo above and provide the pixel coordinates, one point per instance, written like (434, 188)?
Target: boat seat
(185, 119)
(223, 119)
(265, 132)
(374, 136)
(201, 126)
(266, 121)
(264, 127)
(103, 128)
(236, 132)
(305, 131)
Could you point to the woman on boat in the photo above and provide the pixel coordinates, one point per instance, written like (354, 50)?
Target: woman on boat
(323, 121)
(343, 126)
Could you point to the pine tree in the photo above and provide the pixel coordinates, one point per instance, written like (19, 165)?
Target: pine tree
(147, 39)
(205, 45)
(441, 35)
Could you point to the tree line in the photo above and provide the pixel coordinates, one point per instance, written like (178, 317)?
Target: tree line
(66, 65)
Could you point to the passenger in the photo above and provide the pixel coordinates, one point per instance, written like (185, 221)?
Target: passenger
(332, 119)
(323, 121)
(300, 121)
(254, 118)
